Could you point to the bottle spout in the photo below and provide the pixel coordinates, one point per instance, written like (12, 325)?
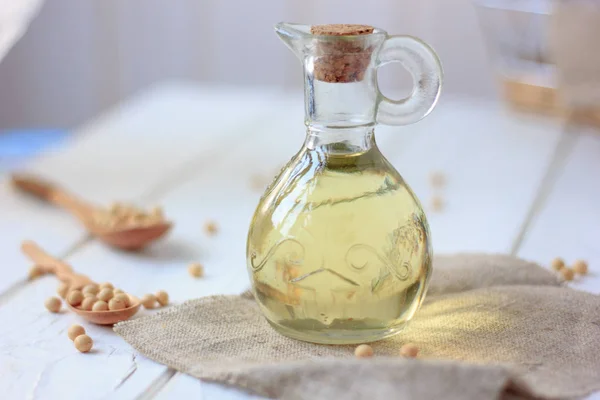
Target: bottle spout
(295, 36)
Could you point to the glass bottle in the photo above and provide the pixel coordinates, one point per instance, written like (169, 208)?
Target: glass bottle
(339, 249)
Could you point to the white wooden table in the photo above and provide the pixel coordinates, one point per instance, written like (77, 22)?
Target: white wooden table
(515, 184)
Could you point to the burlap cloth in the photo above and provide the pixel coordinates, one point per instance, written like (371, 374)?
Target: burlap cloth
(491, 327)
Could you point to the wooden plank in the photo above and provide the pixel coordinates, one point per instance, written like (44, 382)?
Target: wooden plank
(493, 161)
(37, 359)
(187, 387)
(568, 223)
(126, 154)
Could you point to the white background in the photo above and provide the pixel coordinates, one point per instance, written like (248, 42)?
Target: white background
(80, 56)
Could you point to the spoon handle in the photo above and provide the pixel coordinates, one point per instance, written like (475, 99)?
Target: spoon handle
(49, 264)
(51, 193)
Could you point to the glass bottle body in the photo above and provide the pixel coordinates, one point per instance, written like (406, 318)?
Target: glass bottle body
(338, 249)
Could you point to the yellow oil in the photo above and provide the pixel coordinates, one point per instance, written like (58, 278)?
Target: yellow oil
(339, 248)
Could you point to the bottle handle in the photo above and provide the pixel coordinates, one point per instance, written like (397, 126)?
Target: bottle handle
(426, 69)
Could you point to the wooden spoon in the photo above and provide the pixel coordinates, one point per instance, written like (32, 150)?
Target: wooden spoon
(130, 237)
(65, 273)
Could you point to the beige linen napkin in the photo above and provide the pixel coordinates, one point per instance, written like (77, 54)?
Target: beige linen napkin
(491, 327)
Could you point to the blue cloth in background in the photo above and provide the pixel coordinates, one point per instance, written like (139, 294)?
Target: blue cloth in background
(17, 146)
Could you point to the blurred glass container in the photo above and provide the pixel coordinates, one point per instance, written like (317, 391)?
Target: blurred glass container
(515, 32)
(516, 36)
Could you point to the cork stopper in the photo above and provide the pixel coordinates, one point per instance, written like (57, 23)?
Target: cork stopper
(341, 60)
(341, 29)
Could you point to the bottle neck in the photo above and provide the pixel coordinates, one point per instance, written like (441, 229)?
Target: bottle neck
(339, 105)
(340, 141)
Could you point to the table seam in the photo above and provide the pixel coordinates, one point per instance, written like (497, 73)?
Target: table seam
(562, 150)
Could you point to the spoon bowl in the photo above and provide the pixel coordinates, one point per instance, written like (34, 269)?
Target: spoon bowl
(134, 238)
(109, 317)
